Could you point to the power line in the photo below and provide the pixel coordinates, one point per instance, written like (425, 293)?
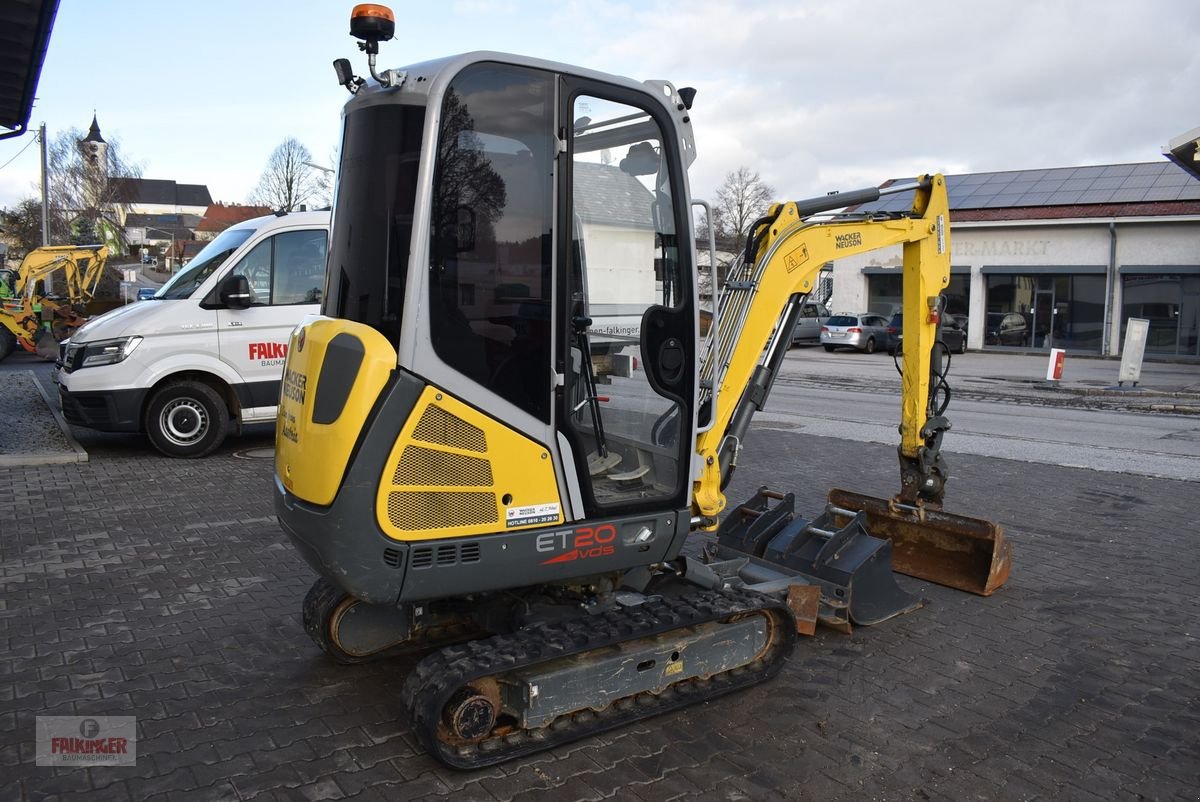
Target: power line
(19, 152)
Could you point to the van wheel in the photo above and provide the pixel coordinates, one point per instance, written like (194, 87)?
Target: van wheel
(186, 419)
(962, 345)
(870, 346)
(7, 343)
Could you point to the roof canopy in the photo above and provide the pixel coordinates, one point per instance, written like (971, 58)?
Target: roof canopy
(1184, 150)
(24, 35)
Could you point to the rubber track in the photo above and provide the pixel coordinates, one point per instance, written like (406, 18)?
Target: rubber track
(323, 596)
(435, 679)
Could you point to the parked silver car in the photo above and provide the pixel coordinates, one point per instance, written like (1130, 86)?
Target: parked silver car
(808, 326)
(865, 332)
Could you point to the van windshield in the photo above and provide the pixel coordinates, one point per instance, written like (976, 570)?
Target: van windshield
(203, 264)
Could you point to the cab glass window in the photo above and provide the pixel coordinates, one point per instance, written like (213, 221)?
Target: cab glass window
(490, 255)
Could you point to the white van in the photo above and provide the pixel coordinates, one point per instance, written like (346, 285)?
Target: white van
(207, 349)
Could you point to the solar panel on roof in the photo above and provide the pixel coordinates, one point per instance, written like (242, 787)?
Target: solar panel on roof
(1176, 179)
(1138, 181)
(1034, 199)
(1128, 195)
(1114, 183)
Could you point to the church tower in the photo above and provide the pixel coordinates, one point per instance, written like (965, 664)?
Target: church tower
(94, 151)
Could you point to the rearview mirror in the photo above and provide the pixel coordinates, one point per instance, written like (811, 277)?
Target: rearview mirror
(235, 292)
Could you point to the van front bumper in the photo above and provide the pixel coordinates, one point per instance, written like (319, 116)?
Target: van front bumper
(103, 410)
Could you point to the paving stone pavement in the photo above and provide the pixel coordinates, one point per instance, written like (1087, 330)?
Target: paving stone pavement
(138, 585)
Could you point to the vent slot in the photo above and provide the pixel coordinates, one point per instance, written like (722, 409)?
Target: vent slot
(441, 427)
(422, 557)
(445, 555)
(393, 558)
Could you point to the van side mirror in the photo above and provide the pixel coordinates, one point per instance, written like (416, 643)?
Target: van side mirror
(235, 292)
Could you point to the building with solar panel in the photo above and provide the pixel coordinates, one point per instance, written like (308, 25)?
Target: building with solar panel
(1057, 258)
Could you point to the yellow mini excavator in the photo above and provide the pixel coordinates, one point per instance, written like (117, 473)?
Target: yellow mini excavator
(33, 318)
(494, 441)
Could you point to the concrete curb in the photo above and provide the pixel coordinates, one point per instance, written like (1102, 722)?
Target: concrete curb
(34, 458)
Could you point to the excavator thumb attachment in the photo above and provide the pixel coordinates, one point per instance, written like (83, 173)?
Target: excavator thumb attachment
(969, 554)
(852, 569)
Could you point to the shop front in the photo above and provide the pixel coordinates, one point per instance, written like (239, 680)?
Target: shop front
(1043, 307)
(1169, 298)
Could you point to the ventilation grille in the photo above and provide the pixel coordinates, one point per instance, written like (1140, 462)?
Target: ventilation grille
(425, 467)
(393, 558)
(418, 510)
(439, 426)
(445, 555)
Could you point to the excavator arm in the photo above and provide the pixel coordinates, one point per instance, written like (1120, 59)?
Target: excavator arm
(754, 321)
(755, 312)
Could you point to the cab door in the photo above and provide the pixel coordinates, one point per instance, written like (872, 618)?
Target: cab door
(626, 313)
(286, 276)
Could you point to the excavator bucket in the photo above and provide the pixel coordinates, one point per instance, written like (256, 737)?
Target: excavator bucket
(960, 552)
(836, 553)
(47, 346)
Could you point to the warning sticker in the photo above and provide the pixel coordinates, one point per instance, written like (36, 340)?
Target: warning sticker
(532, 514)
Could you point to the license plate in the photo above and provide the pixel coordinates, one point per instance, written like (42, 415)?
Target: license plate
(837, 334)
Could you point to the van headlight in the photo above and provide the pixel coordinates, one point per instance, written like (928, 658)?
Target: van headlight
(108, 352)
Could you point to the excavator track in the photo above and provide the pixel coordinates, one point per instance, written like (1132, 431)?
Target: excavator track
(325, 603)
(463, 699)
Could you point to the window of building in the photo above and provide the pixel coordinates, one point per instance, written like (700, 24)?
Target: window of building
(1171, 302)
(1044, 311)
(884, 294)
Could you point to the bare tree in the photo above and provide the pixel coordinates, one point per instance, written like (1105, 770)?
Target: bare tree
(21, 227)
(741, 200)
(288, 182)
(84, 197)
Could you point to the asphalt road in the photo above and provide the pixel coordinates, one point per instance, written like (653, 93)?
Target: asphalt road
(1163, 445)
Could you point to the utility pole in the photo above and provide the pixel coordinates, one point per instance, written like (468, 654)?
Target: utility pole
(45, 190)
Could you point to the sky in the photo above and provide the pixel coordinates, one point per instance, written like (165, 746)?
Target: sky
(814, 96)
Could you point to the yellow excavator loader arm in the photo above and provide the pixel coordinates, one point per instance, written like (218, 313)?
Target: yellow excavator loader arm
(790, 255)
(785, 255)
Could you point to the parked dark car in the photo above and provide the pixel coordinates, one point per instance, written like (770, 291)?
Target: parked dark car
(146, 292)
(1006, 328)
(954, 333)
(865, 332)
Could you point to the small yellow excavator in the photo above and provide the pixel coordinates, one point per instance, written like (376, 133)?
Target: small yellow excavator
(495, 440)
(33, 318)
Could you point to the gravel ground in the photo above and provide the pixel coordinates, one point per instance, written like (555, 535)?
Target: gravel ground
(32, 433)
